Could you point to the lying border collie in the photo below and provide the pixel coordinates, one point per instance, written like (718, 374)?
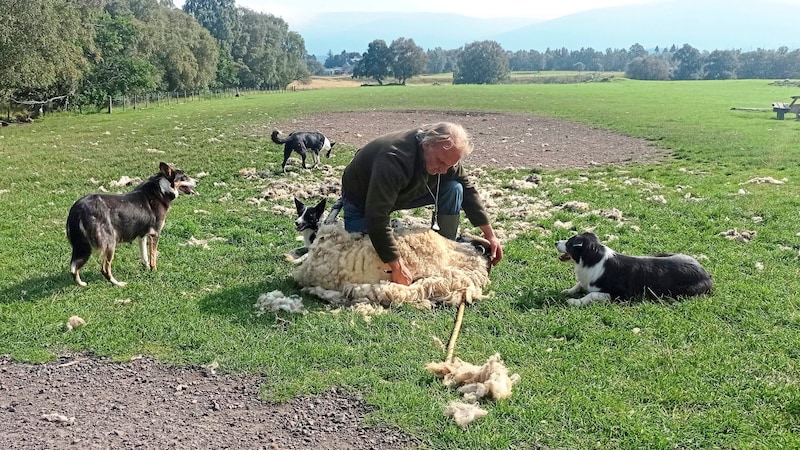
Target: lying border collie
(100, 221)
(304, 142)
(605, 274)
(308, 220)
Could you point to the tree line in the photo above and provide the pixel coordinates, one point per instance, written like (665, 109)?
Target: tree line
(485, 62)
(85, 51)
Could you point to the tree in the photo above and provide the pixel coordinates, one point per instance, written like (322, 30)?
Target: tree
(526, 60)
(722, 65)
(637, 51)
(689, 63)
(440, 60)
(376, 63)
(482, 62)
(408, 59)
(273, 56)
(220, 17)
(648, 68)
(40, 44)
(120, 68)
(314, 66)
(188, 54)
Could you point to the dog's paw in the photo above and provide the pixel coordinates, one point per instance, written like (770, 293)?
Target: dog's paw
(297, 256)
(592, 297)
(571, 291)
(583, 301)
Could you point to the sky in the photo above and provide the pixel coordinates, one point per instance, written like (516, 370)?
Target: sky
(293, 11)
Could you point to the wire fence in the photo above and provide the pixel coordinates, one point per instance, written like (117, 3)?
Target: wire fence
(29, 109)
(156, 99)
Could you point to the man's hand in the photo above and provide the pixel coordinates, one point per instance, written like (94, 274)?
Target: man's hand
(496, 248)
(400, 273)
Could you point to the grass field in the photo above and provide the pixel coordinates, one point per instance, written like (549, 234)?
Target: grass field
(720, 371)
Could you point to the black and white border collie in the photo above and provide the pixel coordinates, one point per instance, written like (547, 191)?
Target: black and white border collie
(304, 142)
(308, 220)
(100, 221)
(604, 274)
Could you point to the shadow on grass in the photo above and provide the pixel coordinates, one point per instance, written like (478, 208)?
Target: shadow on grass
(35, 289)
(533, 299)
(239, 303)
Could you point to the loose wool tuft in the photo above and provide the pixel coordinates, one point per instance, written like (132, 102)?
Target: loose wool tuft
(489, 380)
(464, 413)
(343, 268)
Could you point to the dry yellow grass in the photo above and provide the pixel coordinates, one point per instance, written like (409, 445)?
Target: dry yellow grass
(328, 82)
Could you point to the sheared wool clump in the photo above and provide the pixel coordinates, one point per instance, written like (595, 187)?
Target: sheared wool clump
(741, 236)
(343, 268)
(277, 301)
(464, 413)
(477, 382)
(75, 322)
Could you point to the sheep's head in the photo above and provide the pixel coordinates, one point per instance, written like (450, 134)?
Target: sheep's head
(481, 246)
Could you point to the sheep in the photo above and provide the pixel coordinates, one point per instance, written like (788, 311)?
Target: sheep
(343, 268)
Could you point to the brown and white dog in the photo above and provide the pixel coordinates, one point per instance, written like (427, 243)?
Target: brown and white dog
(100, 221)
(605, 274)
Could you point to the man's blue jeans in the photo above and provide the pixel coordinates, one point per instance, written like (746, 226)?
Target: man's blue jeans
(451, 196)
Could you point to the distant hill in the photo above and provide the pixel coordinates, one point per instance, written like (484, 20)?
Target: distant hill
(354, 31)
(704, 24)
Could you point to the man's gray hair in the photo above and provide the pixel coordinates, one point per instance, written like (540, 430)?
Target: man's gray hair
(451, 132)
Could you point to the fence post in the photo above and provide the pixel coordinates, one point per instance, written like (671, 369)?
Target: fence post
(109, 104)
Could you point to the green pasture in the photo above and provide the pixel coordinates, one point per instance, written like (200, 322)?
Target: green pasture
(719, 371)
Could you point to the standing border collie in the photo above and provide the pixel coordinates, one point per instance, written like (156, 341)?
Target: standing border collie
(100, 221)
(605, 274)
(304, 142)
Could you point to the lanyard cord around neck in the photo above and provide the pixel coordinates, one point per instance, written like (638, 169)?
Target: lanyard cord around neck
(435, 218)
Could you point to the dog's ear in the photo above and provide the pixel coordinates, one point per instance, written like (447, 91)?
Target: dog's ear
(321, 206)
(299, 205)
(165, 169)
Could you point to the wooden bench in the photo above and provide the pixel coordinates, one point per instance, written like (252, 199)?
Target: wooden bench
(782, 108)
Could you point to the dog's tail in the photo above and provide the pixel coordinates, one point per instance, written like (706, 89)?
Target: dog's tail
(276, 139)
(81, 246)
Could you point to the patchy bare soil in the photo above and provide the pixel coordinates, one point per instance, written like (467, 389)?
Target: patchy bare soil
(501, 139)
(82, 402)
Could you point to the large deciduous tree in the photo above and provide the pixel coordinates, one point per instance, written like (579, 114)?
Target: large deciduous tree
(40, 44)
(220, 17)
(721, 65)
(648, 68)
(689, 63)
(408, 59)
(376, 63)
(271, 55)
(482, 62)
